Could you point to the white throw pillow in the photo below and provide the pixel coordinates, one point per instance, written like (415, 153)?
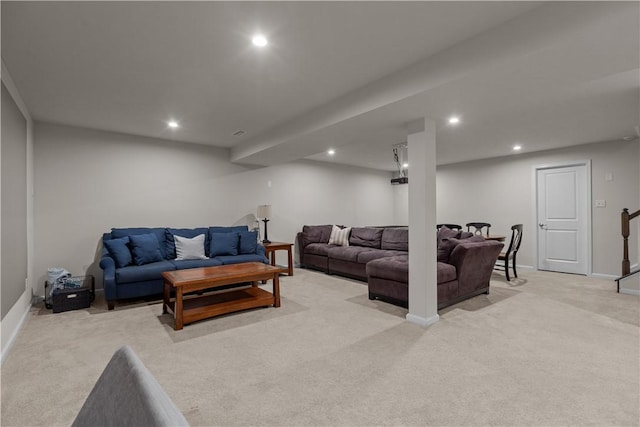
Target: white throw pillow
(339, 236)
(189, 248)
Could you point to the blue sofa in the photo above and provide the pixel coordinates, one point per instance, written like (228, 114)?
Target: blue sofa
(133, 259)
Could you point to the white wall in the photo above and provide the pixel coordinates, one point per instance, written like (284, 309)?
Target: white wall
(500, 191)
(16, 314)
(88, 181)
(401, 204)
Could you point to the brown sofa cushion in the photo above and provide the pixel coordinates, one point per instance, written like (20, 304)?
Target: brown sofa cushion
(446, 246)
(318, 248)
(370, 255)
(315, 234)
(393, 268)
(367, 237)
(446, 233)
(464, 235)
(446, 272)
(346, 253)
(396, 239)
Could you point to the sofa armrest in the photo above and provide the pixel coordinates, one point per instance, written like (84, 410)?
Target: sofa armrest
(260, 250)
(299, 245)
(474, 263)
(108, 266)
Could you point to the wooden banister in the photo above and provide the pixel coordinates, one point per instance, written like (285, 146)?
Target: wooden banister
(625, 219)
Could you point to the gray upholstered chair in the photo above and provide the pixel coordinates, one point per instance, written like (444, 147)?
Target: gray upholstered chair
(127, 394)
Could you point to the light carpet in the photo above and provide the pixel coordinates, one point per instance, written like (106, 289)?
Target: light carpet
(546, 349)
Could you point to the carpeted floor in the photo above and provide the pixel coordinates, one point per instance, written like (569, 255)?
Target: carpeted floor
(547, 349)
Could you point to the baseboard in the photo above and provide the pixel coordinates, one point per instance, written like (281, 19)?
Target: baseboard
(500, 267)
(13, 322)
(604, 276)
(421, 320)
(626, 291)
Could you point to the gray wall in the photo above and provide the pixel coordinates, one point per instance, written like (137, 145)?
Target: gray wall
(87, 181)
(13, 151)
(401, 204)
(501, 191)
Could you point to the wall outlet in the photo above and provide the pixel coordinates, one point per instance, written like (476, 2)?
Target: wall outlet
(601, 203)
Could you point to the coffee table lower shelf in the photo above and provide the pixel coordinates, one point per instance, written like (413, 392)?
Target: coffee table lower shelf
(196, 308)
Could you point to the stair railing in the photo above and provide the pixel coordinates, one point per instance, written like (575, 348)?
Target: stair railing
(626, 218)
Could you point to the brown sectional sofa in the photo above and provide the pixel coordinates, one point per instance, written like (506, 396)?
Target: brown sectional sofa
(365, 244)
(380, 256)
(466, 274)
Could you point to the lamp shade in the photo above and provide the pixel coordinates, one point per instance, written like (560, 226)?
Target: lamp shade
(264, 211)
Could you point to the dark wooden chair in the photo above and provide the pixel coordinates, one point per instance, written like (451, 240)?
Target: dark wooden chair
(450, 226)
(477, 227)
(512, 251)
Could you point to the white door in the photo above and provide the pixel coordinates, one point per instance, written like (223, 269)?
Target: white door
(563, 218)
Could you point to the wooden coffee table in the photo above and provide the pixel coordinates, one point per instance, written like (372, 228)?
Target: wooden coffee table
(188, 309)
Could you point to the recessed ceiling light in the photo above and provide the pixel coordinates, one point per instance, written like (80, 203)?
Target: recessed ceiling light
(405, 165)
(331, 151)
(454, 120)
(517, 147)
(259, 40)
(173, 124)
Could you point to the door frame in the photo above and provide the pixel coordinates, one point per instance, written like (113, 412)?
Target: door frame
(536, 168)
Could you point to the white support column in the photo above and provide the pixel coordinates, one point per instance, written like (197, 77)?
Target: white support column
(423, 293)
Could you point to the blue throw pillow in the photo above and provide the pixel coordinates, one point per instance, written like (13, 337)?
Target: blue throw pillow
(145, 248)
(159, 232)
(119, 251)
(224, 244)
(248, 242)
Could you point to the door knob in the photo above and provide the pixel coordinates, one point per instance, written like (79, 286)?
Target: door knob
(541, 225)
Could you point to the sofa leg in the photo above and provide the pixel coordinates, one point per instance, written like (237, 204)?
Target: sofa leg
(110, 305)
(371, 296)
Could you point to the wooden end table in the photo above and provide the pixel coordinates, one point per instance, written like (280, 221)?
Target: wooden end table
(192, 308)
(270, 252)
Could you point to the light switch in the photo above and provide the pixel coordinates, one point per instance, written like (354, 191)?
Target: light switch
(601, 203)
(608, 176)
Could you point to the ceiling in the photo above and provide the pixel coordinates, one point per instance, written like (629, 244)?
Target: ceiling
(342, 75)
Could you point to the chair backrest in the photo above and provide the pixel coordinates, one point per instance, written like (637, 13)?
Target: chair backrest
(516, 239)
(127, 394)
(449, 226)
(477, 227)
